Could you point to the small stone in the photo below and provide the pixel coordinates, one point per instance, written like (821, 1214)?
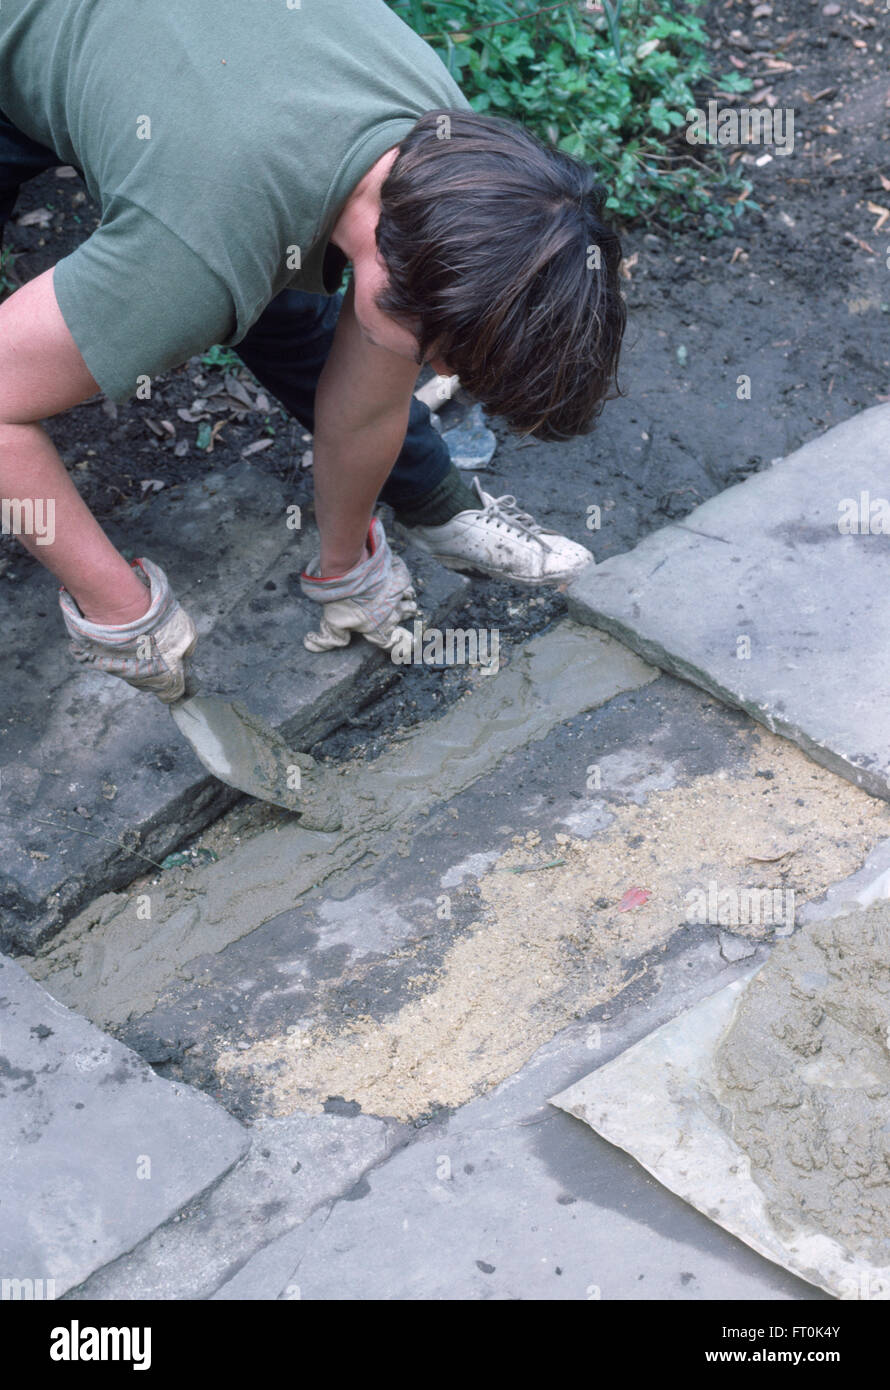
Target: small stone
(733, 948)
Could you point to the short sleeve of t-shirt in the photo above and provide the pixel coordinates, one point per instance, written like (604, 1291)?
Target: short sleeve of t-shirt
(138, 301)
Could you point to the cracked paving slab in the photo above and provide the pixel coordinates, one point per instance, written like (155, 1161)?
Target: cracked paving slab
(294, 1167)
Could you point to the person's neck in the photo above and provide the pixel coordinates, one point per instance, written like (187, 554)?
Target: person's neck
(355, 229)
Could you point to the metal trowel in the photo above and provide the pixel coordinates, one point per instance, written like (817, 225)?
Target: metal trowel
(245, 753)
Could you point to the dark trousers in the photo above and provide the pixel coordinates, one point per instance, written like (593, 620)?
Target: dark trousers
(285, 349)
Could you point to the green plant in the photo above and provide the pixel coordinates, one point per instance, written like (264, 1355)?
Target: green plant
(222, 357)
(610, 84)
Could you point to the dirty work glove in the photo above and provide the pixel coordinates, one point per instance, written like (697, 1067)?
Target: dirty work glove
(372, 598)
(151, 653)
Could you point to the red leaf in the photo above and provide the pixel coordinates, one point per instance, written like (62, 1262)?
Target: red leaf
(634, 897)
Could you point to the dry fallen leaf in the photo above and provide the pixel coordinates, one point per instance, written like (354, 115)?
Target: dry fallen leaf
(627, 265)
(256, 447)
(40, 217)
(238, 392)
(214, 434)
(880, 212)
(634, 897)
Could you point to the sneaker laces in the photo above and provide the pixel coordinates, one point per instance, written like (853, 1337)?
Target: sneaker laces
(505, 511)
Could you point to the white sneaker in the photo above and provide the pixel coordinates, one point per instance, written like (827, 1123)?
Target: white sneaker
(503, 541)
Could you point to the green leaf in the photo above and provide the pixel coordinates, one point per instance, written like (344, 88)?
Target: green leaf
(603, 83)
(220, 357)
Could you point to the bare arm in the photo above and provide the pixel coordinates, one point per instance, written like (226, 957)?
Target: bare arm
(362, 405)
(41, 374)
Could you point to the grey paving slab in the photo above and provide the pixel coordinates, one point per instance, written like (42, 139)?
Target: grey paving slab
(510, 1199)
(773, 596)
(94, 775)
(96, 1149)
(235, 1237)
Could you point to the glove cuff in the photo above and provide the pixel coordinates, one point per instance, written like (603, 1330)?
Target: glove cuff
(362, 579)
(162, 604)
(150, 653)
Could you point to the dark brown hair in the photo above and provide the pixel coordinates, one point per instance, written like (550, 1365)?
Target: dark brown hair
(490, 239)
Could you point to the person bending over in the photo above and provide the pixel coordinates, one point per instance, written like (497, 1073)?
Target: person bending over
(254, 153)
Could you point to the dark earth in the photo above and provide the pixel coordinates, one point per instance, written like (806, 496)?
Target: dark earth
(796, 297)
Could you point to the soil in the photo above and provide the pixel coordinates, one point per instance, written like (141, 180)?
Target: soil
(796, 298)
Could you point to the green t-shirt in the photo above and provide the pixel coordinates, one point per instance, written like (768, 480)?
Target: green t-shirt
(221, 138)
